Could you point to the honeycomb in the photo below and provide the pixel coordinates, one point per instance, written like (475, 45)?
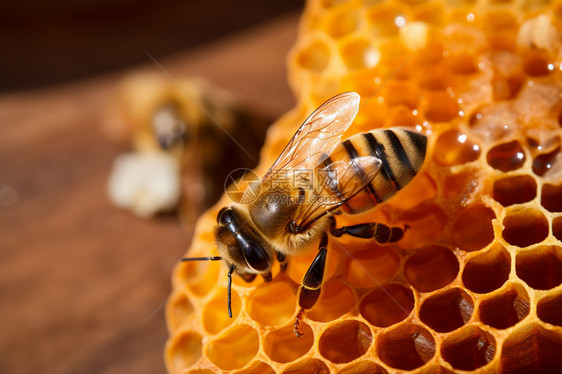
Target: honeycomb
(475, 284)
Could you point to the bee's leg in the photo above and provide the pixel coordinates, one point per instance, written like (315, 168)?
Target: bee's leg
(381, 233)
(312, 282)
(282, 261)
(267, 277)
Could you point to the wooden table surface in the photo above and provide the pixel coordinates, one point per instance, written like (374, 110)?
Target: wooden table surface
(81, 282)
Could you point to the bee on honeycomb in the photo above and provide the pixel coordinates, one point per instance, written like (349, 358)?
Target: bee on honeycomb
(475, 283)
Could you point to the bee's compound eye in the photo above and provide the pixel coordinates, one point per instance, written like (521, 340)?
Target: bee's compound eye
(256, 257)
(224, 216)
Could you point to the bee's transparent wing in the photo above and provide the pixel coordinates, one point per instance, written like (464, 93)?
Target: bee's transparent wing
(337, 183)
(318, 135)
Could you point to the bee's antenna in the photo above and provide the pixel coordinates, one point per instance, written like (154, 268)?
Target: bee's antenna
(213, 258)
(229, 288)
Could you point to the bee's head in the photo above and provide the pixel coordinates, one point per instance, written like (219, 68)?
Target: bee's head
(240, 245)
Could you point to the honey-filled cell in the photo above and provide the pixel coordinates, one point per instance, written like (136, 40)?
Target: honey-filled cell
(455, 148)
(551, 197)
(506, 156)
(515, 190)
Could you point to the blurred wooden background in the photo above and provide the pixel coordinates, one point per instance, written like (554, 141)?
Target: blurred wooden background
(82, 283)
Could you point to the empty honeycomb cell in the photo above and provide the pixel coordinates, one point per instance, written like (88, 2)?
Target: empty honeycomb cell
(557, 228)
(428, 11)
(359, 54)
(544, 162)
(201, 277)
(469, 348)
(431, 268)
(505, 309)
(345, 341)
(455, 148)
(363, 367)
(309, 365)
(541, 269)
(401, 93)
(462, 63)
(284, 346)
(488, 271)
(459, 186)
(507, 156)
(184, 350)
(514, 190)
(234, 348)
(447, 310)
(259, 368)
(387, 305)
(272, 304)
(551, 197)
(178, 310)
(524, 227)
(336, 300)
(383, 19)
(426, 227)
(314, 57)
(442, 107)
(371, 267)
(473, 228)
(549, 309)
(403, 117)
(215, 312)
(342, 22)
(532, 349)
(431, 54)
(463, 38)
(406, 347)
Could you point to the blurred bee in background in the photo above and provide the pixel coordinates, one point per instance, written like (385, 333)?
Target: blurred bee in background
(180, 150)
(326, 176)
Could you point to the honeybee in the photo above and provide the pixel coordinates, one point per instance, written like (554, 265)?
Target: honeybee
(325, 176)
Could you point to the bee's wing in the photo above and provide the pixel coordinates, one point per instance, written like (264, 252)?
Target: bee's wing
(318, 135)
(337, 183)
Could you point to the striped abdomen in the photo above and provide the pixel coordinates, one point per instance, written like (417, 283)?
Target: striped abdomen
(402, 153)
